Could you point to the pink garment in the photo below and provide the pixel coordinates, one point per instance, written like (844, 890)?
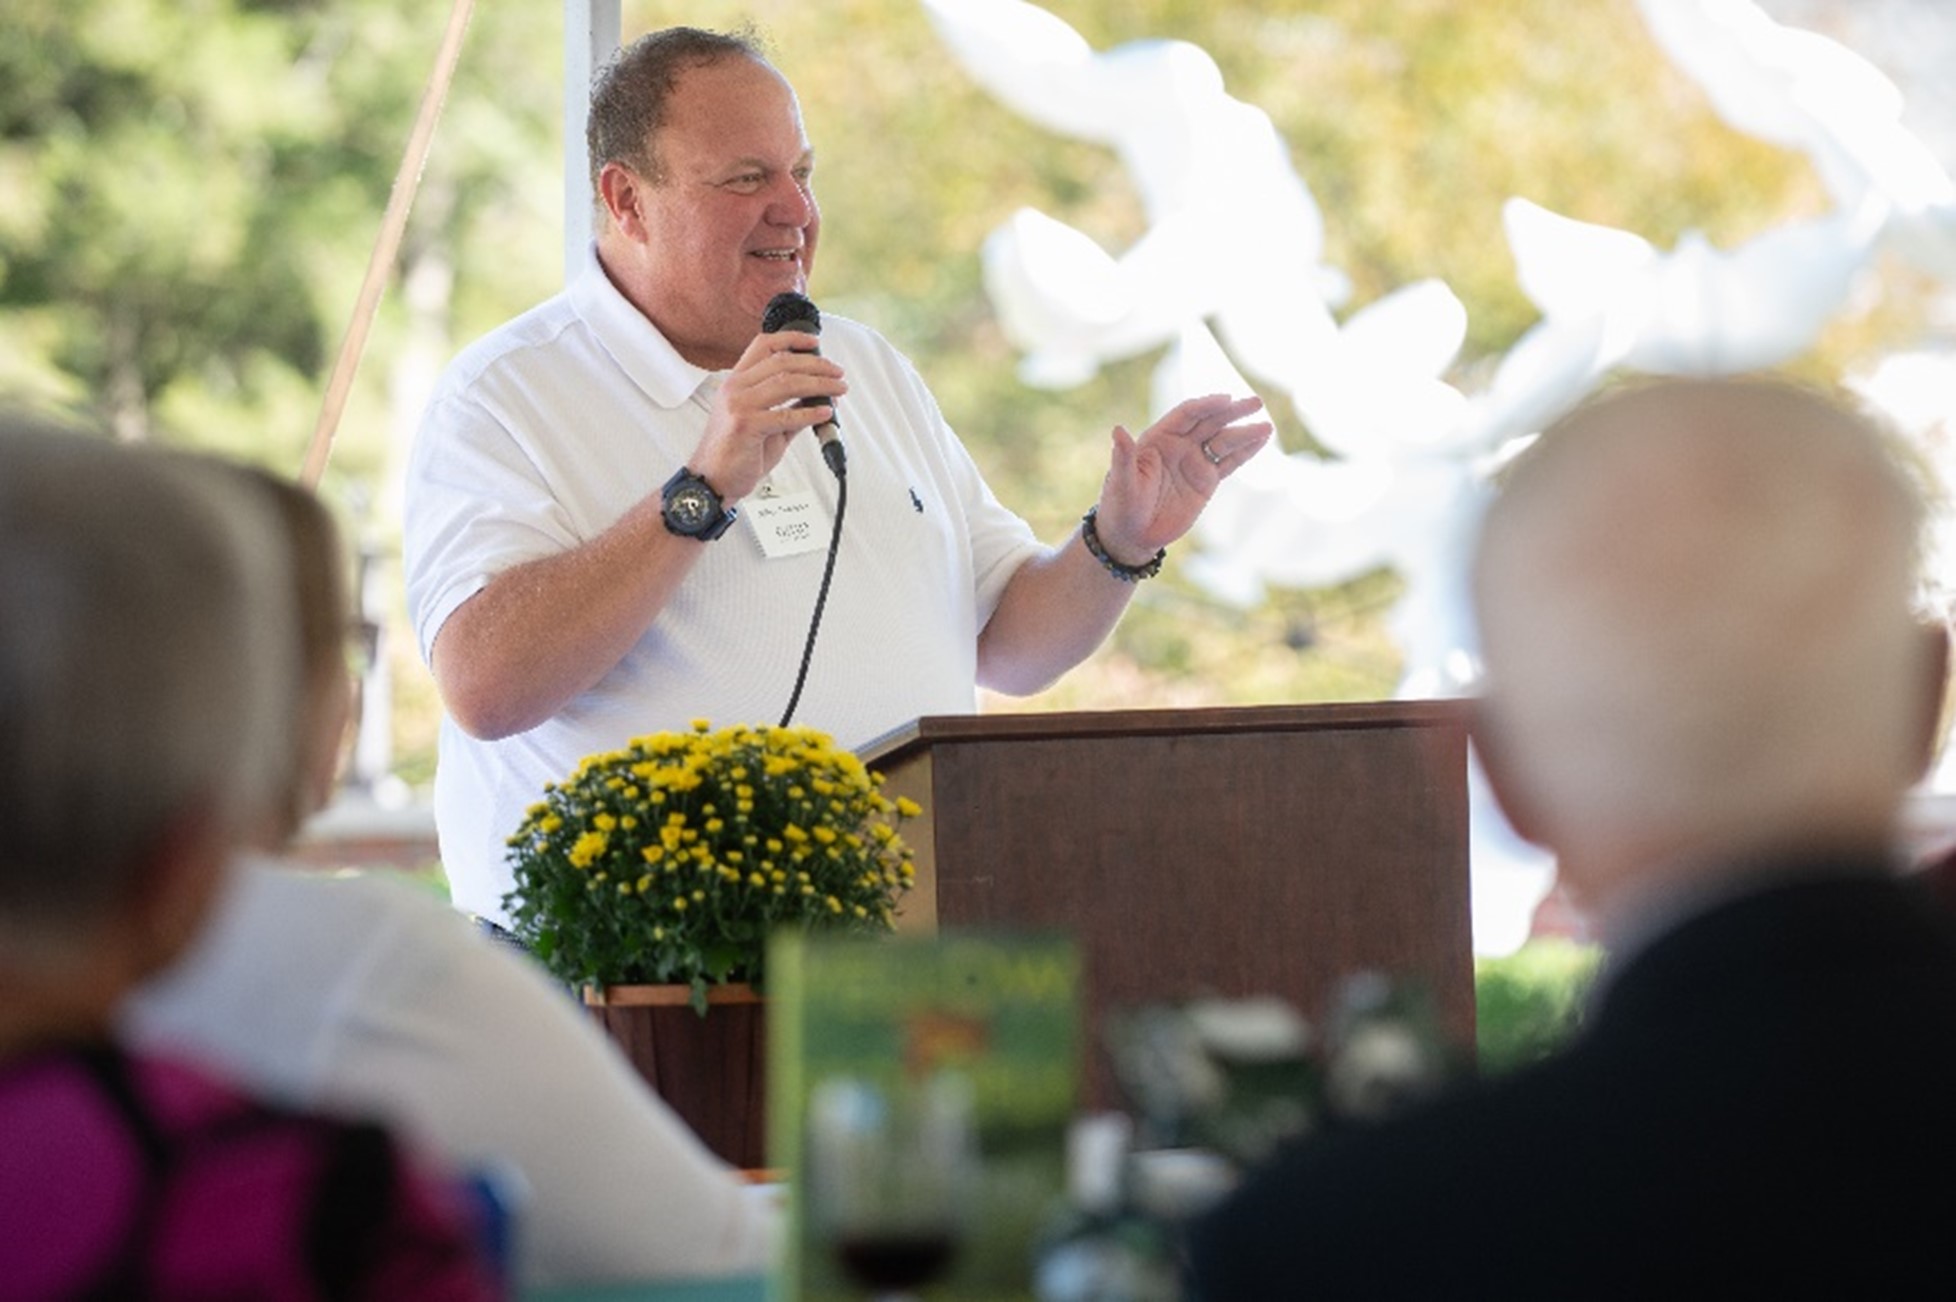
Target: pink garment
(138, 1177)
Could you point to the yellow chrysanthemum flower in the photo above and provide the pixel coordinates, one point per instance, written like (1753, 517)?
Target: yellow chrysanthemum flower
(723, 801)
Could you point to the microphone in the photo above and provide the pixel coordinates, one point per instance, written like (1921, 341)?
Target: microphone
(792, 311)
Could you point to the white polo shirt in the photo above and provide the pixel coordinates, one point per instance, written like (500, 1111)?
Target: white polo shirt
(545, 432)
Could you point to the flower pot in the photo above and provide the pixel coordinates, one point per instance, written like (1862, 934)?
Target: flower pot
(710, 1070)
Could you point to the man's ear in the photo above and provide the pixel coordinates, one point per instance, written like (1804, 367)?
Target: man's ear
(1935, 687)
(619, 188)
(1509, 796)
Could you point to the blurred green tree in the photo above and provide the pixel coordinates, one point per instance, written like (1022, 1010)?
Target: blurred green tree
(154, 213)
(196, 187)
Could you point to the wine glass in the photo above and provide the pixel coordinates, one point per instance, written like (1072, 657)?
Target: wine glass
(890, 1170)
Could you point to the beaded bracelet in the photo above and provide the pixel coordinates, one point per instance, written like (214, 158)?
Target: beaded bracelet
(1090, 535)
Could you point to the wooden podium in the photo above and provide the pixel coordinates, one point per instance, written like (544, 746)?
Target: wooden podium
(1234, 851)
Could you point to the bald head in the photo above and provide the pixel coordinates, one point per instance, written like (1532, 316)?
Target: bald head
(1695, 609)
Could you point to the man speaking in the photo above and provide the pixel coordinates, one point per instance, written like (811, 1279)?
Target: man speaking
(617, 523)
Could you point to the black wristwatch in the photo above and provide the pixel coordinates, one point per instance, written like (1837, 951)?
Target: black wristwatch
(692, 509)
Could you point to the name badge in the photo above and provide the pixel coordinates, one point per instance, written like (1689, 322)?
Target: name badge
(788, 524)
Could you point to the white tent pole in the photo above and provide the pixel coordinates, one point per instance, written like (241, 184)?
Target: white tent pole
(592, 30)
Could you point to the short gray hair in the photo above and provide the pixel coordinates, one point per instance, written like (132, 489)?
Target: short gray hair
(629, 95)
(146, 668)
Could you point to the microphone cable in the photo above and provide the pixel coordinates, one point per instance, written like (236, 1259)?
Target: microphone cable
(838, 463)
(792, 311)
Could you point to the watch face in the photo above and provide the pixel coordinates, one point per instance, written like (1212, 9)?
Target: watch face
(690, 507)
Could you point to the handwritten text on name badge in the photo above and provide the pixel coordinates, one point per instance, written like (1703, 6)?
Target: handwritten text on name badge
(788, 525)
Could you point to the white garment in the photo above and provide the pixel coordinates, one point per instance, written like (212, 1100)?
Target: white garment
(548, 430)
(367, 997)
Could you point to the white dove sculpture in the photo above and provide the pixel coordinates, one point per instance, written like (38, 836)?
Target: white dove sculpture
(1234, 234)
(1402, 486)
(1807, 92)
(1696, 309)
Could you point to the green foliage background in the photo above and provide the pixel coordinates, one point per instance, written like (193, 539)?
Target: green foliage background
(189, 190)
(1529, 1003)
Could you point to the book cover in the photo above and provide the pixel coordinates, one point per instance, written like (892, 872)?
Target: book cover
(980, 1025)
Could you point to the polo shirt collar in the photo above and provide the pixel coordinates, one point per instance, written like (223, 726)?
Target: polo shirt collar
(632, 341)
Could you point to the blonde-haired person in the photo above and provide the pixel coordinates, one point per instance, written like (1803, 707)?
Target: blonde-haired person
(365, 995)
(1705, 693)
(144, 667)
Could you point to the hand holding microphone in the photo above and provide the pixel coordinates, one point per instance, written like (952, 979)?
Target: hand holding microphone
(795, 312)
